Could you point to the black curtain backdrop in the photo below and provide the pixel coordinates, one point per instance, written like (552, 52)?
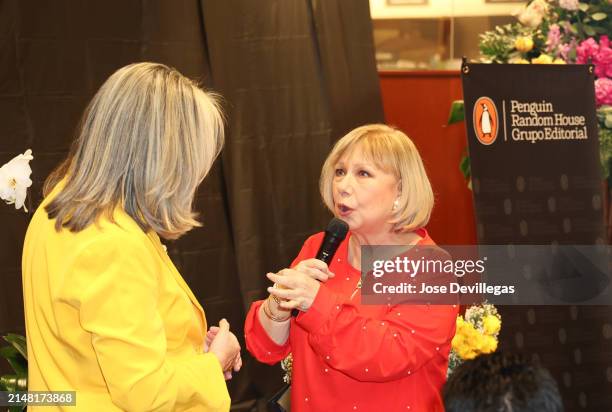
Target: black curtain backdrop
(295, 75)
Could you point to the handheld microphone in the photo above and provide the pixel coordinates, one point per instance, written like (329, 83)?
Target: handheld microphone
(334, 235)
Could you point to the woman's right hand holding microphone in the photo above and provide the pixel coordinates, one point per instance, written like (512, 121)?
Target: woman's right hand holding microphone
(274, 317)
(315, 268)
(292, 285)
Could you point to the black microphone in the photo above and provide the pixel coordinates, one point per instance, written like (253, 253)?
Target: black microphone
(334, 235)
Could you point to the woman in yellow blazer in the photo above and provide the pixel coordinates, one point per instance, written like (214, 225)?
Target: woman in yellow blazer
(107, 314)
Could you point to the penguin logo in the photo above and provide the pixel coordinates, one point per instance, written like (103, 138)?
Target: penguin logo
(486, 122)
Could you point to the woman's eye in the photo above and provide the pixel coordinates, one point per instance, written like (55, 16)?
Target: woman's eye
(364, 173)
(339, 172)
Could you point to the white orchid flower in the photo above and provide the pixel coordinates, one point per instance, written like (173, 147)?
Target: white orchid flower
(15, 180)
(533, 14)
(571, 5)
(530, 18)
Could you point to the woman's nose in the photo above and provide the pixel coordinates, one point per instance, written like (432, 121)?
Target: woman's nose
(344, 185)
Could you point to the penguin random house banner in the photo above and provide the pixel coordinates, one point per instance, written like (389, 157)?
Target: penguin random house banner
(534, 153)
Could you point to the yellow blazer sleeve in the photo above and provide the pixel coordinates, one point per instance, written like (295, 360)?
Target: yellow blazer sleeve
(118, 306)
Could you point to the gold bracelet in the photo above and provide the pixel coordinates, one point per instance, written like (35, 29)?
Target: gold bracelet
(276, 299)
(269, 315)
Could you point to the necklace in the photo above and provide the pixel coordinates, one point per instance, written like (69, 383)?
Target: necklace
(357, 288)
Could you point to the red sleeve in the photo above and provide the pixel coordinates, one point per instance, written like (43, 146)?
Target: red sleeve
(377, 350)
(258, 343)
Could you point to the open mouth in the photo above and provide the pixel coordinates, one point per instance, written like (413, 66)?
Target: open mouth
(343, 209)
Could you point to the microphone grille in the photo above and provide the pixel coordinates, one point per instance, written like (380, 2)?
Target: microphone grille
(338, 228)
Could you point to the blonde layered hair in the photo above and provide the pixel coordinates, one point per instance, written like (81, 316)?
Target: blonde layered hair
(145, 142)
(393, 152)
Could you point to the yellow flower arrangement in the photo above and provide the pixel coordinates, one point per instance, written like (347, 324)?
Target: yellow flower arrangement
(519, 61)
(523, 44)
(492, 324)
(476, 333)
(542, 59)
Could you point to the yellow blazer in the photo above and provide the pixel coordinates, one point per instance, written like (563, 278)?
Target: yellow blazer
(109, 316)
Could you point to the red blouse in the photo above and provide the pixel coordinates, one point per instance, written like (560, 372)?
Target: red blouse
(353, 357)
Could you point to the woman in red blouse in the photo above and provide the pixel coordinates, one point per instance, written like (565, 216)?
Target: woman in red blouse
(348, 356)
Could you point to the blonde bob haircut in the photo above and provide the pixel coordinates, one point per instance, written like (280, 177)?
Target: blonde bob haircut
(145, 142)
(393, 152)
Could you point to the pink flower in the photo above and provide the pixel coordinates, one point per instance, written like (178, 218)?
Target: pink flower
(585, 50)
(554, 38)
(565, 48)
(603, 59)
(600, 55)
(603, 91)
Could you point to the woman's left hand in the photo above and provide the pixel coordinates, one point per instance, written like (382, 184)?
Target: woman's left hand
(236, 365)
(296, 290)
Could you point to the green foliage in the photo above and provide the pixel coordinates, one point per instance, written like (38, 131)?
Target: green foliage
(457, 112)
(498, 45)
(605, 151)
(604, 115)
(15, 359)
(465, 167)
(16, 355)
(14, 383)
(18, 342)
(456, 115)
(592, 19)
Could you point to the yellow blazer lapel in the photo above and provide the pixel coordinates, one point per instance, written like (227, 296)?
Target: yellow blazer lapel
(123, 219)
(177, 276)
